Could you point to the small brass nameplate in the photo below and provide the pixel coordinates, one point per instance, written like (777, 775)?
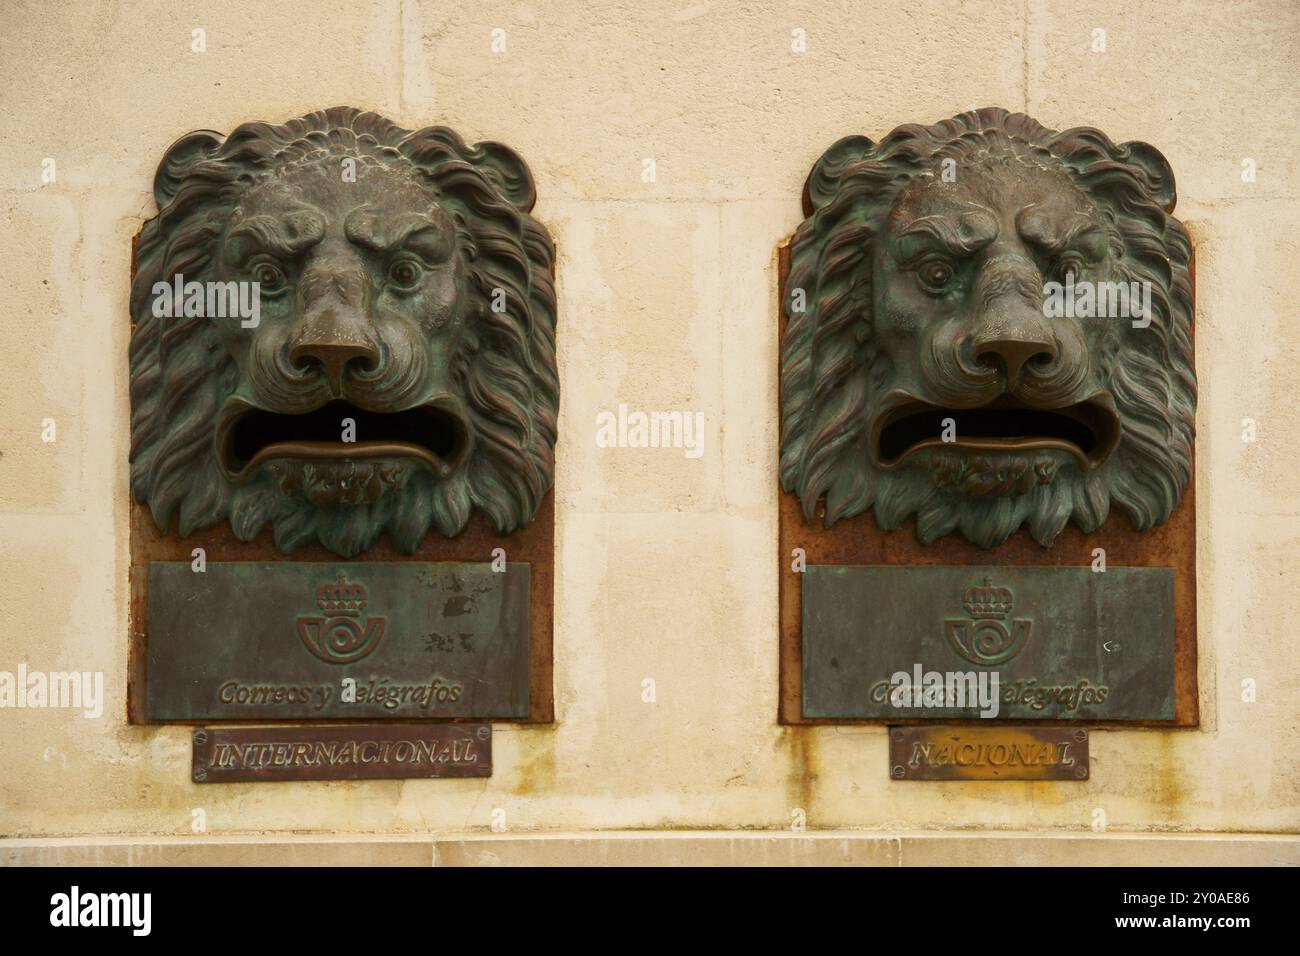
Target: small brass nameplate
(988, 753)
(352, 752)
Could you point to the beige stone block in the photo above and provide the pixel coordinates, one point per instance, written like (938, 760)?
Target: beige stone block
(752, 233)
(102, 347)
(669, 307)
(59, 619)
(1247, 342)
(111, 85)
(715, 95)
(639, 335)
(665, 696)
(41, 388)
(672, 849)
(213, 852)
(686, 848)
(1203, 83)
(1041, 850)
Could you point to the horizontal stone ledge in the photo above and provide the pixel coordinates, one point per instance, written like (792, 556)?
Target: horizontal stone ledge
(675, 848)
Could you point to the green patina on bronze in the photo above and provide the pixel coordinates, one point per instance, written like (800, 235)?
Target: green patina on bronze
(403, 287)
(1065, 643)
(917, 304)
(281, 641)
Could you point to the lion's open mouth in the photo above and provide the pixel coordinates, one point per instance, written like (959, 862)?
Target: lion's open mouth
(247, 436)
(1088, 430)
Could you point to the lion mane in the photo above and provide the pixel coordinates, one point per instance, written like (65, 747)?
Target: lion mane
(504, 369)
(831, 372)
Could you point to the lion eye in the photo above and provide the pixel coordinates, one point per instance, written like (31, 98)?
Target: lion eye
(935, 276)
(268, 277)
(404, 273)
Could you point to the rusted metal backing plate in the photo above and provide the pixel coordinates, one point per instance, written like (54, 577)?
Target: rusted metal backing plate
(348, 752)
(859, 540)
(1027, 643)
(988, 753)
(288, 640)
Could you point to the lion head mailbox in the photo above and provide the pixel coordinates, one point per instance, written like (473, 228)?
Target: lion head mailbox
(989, 329)
(342, 328)
(344, 397)
(988, 337)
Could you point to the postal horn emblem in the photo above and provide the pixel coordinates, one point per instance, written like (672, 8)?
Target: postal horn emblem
(984, 637)
(341, 636)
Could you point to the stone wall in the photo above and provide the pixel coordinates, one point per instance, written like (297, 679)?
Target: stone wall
(666, 565)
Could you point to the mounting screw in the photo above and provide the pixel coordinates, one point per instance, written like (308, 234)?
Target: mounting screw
(1081, 772)
(200, 737)
(897, 735)
(1081, 736)
(484, 732)
(899, 773)
(200, 773)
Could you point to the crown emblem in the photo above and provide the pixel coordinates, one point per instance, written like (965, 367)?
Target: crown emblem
(341, 598)
(342, 635)
(983, 638)
(988, 602)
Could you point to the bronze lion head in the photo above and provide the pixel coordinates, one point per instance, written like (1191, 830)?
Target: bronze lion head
(397, 369)
(989, 327)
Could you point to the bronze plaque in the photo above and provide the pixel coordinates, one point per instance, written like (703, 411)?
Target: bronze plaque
(351, 752)
(988, 753)
(938, 643)
(340, 640)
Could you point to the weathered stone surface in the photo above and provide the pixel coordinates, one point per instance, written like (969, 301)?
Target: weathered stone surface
(679, 584)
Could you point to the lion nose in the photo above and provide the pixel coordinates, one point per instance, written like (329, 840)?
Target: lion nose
(1013, 353)
(1013, 335)
(336, 342)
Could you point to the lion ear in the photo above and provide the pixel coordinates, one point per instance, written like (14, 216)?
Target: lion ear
(1159, 174)
(824, 180)
(508, 172)
(180, 156)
